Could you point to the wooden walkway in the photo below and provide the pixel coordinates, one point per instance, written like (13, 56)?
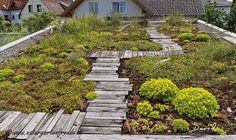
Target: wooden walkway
(29, 126)
(105, 114)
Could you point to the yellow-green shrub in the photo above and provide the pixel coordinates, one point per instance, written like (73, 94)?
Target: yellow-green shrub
(5, 73)
(219, 131)
(159, 128)
(154, 115)
(180, 125)
(144, 108)
(202, 38)
(47, 66)
(90, 96)
(186, 36)
(18, 78)
(196, 103)
(159, 89)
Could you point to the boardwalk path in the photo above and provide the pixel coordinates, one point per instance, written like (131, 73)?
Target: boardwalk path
(104, 115)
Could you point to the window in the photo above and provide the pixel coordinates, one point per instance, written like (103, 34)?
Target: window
(30, 7)
(13, 17)
(6, 17)
(119, 7)
(93, 7)
(39, 8)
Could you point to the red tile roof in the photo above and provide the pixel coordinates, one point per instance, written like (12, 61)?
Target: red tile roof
(56, 6)
(12, 4)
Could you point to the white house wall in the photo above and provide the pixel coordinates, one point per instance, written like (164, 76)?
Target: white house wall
(25, 12)
(105, 8)
(10, 14)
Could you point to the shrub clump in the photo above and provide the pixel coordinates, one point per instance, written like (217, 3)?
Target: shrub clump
(5, 73)
(91, 96)
(219, 131)
(180, 125)
(47, 66)
(144, 108)
(186, 36)
(202, 38)
(219, 67)
(18, 78)
(154, 115)
(63, 55)
(196, 103)
(159, 128)
(159, 89)
(162, 108)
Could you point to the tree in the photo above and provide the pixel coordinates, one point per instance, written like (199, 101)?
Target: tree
(214, 16)
(232, 17)
(38, 21)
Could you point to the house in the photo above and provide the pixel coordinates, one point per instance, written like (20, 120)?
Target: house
(55, 6)
(10, 9)
(135, 8)
(221, 5)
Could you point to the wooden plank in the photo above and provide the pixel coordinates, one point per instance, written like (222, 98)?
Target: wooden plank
(47, 122)
(17, 121)
(21, 126)
(71, 121)
(113, 86)
(8, 120)
(106, 115)
(100, 130)
(2, 113)
(106, 109)
(108, 105)
(61, 123)
(105, 68)
(77, 124)
(112, 97)
(54, 121)
(107, 79)
(108, 101)
(114, 93)
(37, 128)
(100, 123)
(106, 64)
(5, 116)
(29, 128)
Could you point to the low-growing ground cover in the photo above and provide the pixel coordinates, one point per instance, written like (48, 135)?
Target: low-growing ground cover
(204, 101)
(49, 75)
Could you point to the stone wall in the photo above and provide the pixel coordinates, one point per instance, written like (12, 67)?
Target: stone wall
(216, 31)
(14, 48)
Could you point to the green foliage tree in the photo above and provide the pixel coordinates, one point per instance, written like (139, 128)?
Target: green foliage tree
(232, 17)
(214, 16)
(38, 21)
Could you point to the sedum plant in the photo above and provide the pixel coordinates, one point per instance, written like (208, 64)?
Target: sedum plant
(18, 78)
(154, 115)
(47, 66)
(202, 38)
(159, 89)
(159, 128)
(186, 36)
(5, 73)
(91, 96)
(196, 103)
(144, 108)
(219, 131)
(162, 108)
(180, 125)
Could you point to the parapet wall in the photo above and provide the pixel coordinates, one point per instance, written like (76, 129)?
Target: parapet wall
(14, 48)
(216, 31)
